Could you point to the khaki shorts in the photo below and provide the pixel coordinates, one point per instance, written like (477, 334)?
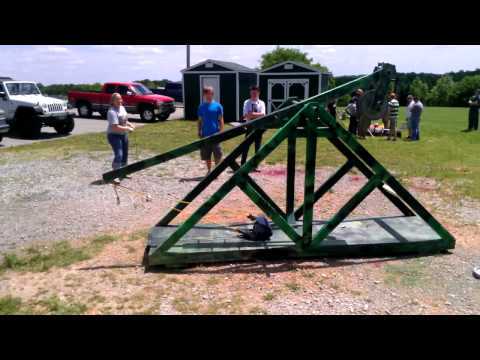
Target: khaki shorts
(207, 150)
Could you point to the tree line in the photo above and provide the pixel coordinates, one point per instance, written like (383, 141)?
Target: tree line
(451, 89)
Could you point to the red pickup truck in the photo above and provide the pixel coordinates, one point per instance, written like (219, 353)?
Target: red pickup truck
(137, 99)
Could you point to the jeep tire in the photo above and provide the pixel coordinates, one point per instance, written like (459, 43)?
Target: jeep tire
(29, 125)
(65, 127)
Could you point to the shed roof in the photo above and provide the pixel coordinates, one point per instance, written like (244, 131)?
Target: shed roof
(296, 63)
(231, 66)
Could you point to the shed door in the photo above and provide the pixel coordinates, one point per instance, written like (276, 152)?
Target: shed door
(298, 88)
(213, 81)
(277, 93)
(279, 90)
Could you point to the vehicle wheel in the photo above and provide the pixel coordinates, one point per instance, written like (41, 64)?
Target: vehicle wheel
(163, 117)
(1, 138)
(103, 114)
(84, 110)
(65, 127)
(29, 125)
(147, 114)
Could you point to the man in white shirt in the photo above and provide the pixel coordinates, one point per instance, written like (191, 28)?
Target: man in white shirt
(408, 113)
(253, 108)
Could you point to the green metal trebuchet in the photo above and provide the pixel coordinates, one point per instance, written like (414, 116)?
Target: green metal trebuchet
(296, 234)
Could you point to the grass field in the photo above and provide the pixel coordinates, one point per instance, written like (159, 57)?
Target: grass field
(444, 152)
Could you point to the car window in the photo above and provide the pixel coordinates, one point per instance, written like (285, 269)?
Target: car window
(110, 89)
(122, 90)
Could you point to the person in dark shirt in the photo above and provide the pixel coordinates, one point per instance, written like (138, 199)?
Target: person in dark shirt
(332, 108)
(352, 111)
(474, 104)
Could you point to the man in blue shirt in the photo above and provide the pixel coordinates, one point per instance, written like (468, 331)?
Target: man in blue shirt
(210, 121)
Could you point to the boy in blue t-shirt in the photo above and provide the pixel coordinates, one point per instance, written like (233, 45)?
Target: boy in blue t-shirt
(210, 121)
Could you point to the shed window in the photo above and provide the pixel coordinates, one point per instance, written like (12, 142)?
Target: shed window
(209, 65)
(288, 66)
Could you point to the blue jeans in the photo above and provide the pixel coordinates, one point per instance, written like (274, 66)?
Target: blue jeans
(415, 124)
(119, 143)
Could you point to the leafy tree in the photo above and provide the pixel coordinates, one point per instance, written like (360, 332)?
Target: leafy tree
(281, 54)
(419, 88)
(464, 89)
(443, 93)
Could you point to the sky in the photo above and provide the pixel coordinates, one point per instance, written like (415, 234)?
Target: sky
(53, 64)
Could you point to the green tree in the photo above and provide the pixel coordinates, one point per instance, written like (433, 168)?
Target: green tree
(464, 89)
(281, 54)
(443, 93)
(419, 88)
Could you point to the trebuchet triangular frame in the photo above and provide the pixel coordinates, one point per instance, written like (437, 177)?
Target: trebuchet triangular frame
(296, 233)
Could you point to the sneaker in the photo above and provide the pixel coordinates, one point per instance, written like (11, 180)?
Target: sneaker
(116, 181)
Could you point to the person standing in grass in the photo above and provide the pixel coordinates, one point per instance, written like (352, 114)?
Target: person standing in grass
(392, 113)
(407, 115)
(352, 111)
(474, 104)
(210, 122)
(253, 108)
(117, 132)
(415, 115)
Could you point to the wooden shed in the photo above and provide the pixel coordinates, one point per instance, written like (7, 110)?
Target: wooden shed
(289, 79)
(231, 83)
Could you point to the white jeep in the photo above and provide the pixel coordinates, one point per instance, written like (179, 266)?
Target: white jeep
(27, 110)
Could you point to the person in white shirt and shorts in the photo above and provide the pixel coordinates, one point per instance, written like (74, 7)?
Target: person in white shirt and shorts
(253, 108)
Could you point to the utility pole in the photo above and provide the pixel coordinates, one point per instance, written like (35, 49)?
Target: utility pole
(188, 56)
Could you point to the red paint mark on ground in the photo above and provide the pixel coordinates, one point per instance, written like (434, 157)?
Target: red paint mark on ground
(274, 172)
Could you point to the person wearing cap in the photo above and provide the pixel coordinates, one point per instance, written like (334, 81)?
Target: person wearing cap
(474, 104)
(253, 108)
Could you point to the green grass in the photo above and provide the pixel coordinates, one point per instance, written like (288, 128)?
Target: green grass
(406, 274)
(54, 306)
(444, 152)
(50, 306)
(60, 254)
(10, 305)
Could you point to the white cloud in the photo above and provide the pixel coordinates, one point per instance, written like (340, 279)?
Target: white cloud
(57, 49)
(146, 62)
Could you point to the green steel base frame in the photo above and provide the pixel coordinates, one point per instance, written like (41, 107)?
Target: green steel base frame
(360, 237)
(296, 233)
